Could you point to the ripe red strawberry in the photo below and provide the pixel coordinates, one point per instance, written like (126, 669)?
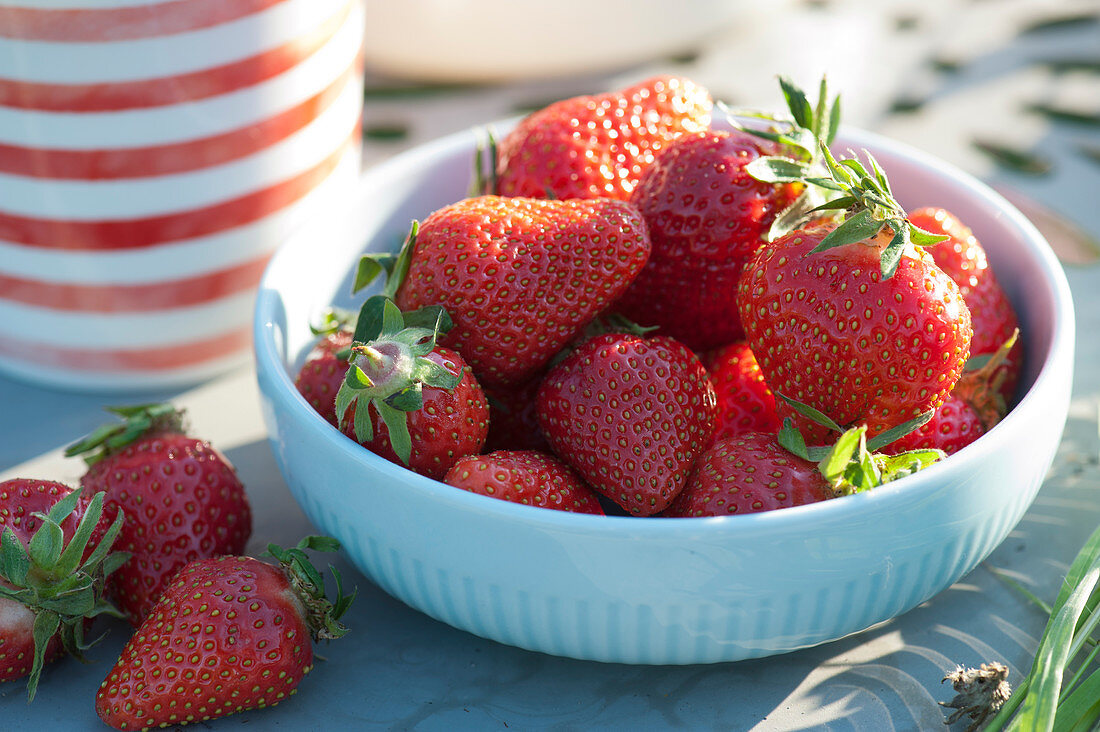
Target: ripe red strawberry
(962, 257)
(230, 633)
(631, 415)
(748, 474)
(407, 399)
(53, 567)
(954, 425)
(745, 403)
(520, 277)
(597, 146)
(706, 217)
(182, 499)
(763, 472)
(323, 372)
(854, 320)
(970, 410)
(525, 476)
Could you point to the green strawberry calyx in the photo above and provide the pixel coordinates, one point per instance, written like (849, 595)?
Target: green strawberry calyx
(801, 134)
(981, 381)
(54, 580)
(868, 209)
(389, 369)
(394, 266)
(137, 421)
(851, 464)
(321, 614)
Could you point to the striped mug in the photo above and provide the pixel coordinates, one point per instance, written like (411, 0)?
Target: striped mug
(153, 154)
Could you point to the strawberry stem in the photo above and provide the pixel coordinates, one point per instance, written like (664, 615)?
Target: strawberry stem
(322, 615)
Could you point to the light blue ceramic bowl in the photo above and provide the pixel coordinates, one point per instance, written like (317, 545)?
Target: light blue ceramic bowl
(658, 591)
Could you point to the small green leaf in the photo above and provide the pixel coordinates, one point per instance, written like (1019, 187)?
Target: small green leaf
(431, 317)
(370, 266)
(357, 379)
(834, 121)
(45, 626)
(113, 561)
(369, 324)
(74, 551)
(791, 439)
(437, 375)
(892, 254)
(100, 552)
(837, 204)
(847, 447)
(409, 399)
(797, 103)
(392, 319)
(883, 439)
(775, 169)
(854, 229)
(364, 430)
(398, 428)
(814, 415)
(13, 558)
(922, 238)
(319, 543)
(401, 266)
(46, 544)
(345, 396)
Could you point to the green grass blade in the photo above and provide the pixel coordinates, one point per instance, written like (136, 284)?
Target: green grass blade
(1040, 706)
(1081, 709)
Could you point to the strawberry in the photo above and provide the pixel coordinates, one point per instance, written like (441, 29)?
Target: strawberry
(230, 633)
(757, 472)
(524, 476)
(407, 399)
(630, 414)
(962, 257)
(853, 319)
(706, 217)
(972, 409)
(520, 277)
(745, 403)
(325, 367)
(54, 563)
(748, 474)
(597, 146)
(182, 499)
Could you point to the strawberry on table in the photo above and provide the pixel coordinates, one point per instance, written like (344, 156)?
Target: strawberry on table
(230, 633)
(992, 317)
(596, 146)
(853, 319)
(54, 563)
(745, 403)
(630, 414)
(181, 498)
(520, 277)
(406, 398)
(524, 476)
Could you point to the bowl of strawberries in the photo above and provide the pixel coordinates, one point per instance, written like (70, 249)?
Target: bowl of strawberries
(666, 384)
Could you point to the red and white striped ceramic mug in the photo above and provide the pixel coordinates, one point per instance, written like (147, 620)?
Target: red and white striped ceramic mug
(153, 154)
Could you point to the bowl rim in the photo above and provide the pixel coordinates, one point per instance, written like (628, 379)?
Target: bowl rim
(285, 394)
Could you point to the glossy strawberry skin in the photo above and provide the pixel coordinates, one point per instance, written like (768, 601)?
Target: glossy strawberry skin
(745, 403)
(450, 425)
(706, 217)
(228, 635)
(182, 501)
(953, 426)
(521, 277)
(20, 498)
(963, 259)
(596, 146)
(323, 372)
(525, 476)
(748, 474)
(630, 414)
(830, 332)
